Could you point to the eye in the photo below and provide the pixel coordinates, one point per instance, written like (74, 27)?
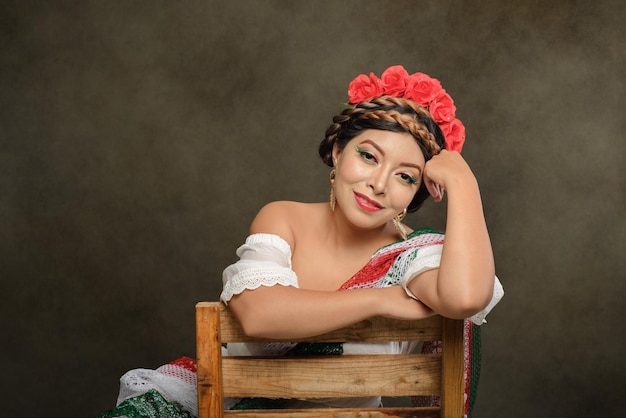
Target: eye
(366, 155)
(408, 179)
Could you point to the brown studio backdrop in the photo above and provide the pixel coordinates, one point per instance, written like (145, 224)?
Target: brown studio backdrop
(139, 139)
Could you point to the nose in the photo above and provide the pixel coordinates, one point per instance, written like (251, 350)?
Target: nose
(378, 182)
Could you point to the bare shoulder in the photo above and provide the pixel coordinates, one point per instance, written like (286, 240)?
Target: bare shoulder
(281, 218)
(279, 209)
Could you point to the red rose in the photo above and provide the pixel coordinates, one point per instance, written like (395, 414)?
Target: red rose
(422, 89)
(418, 87)
(364, 88)
(454, 131)
(442, 109)
(395, 81)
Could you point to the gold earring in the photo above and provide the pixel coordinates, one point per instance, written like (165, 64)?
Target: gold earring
(397, 223)
(333, 173)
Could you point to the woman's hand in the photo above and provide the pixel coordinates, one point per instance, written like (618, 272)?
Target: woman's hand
(444, 171)
(398, 305)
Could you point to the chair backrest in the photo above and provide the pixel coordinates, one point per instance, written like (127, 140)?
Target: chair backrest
(288, 377)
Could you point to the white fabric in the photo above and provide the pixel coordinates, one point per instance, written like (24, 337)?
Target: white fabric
(498, 293)
(259, 349)
(280, 348)
(264, 260)
(429, 258)
(175, 383)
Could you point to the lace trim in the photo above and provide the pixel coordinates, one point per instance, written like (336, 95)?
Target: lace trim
(255, 277)
(265, 260)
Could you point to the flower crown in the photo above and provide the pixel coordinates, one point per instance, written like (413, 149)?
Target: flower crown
(418, 87)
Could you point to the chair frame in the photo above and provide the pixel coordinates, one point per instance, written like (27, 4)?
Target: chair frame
(331, 376)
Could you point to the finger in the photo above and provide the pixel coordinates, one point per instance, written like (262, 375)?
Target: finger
(435, 190)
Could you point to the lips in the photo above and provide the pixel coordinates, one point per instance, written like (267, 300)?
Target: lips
(366, 203)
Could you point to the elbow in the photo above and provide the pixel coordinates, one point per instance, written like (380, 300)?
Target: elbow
(258, 314)
(252, 329)
(253, 326)
(467, 304)
(465, 311)
(248, 316)
(247, 326)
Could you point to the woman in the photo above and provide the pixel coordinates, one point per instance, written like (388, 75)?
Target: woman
(396, 145)
(310, 268)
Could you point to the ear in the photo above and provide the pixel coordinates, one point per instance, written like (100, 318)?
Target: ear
(335, 154)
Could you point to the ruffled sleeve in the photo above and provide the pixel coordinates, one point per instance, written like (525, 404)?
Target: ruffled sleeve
(428, 258)
(264, 260)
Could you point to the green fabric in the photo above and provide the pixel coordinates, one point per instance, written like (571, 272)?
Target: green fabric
(316, 349)
(149, 405)
(474, 371)
(259, 403)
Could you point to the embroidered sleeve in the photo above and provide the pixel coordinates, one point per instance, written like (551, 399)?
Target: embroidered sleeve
(264, 260)
(429, 258)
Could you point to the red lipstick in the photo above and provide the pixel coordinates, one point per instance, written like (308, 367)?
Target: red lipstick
(366, 203)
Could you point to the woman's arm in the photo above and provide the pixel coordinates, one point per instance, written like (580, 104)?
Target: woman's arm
(284, 312)
(463, 284)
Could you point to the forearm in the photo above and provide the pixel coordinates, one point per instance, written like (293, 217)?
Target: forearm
(284, 312)
(467, 263)
(463, 284)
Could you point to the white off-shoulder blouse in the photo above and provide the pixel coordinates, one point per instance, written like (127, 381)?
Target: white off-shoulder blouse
(265, 260)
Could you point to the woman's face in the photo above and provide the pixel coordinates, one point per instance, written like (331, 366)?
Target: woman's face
(378, 173)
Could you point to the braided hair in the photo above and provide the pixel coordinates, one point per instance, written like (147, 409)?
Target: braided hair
(389, 114)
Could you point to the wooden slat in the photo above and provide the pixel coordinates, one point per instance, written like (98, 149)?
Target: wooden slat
(376, 329)
(332, 376)
(426, 412)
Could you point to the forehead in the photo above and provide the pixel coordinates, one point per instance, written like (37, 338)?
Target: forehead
(400, 145)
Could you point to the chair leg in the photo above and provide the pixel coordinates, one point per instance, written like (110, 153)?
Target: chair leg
(452, 391)
(209, 357)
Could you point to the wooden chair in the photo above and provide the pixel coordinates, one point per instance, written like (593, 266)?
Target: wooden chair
(330, 376)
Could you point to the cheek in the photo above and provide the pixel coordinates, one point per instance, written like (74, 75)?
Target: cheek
(351, 171)
(401, 195)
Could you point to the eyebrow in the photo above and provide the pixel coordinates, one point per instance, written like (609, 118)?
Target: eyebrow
(374, 144)
(379, 149)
